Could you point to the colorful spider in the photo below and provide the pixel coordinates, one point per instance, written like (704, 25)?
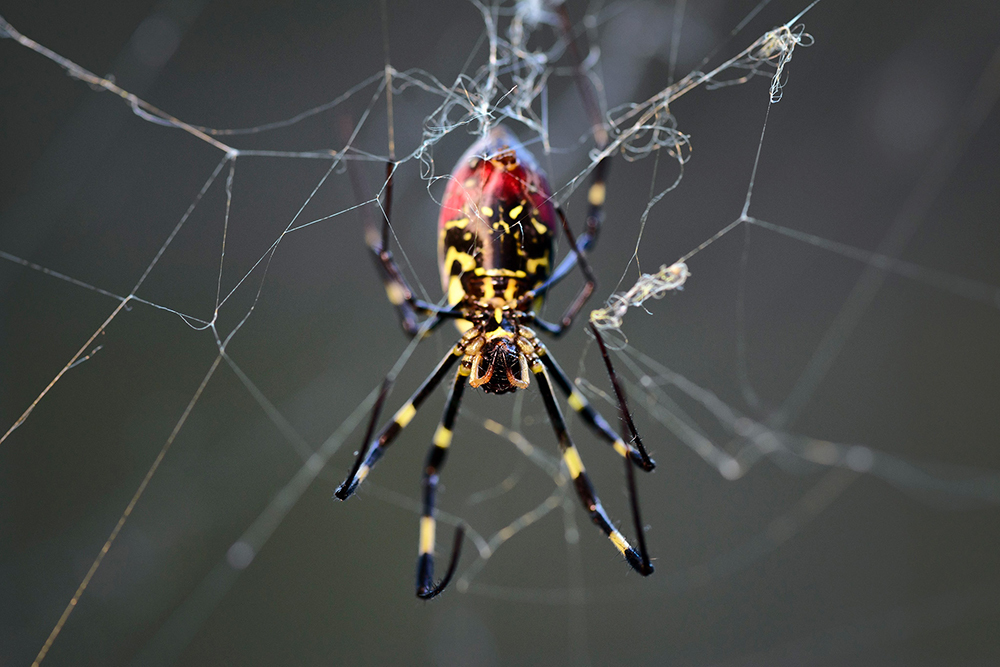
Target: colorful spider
(495, 248)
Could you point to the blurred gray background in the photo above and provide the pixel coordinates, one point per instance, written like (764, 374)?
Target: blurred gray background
(747, 574)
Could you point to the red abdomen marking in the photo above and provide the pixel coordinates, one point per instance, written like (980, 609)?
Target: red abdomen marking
(496, 223)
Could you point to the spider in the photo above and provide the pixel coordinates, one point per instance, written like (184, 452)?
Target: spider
(495, 245)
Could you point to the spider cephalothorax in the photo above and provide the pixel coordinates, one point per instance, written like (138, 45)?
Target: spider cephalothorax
(499, 355)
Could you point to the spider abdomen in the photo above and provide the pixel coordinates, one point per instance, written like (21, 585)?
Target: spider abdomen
(496, 225)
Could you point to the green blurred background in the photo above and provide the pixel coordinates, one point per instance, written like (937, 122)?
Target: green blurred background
(883, 575)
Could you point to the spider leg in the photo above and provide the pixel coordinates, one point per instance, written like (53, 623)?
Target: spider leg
(426, 588)
(368, 457)
(396, 288)
(581, 298)
(398, 291)
(597, 423)
(598, 180)
(639, 560)
(596, 195)
(595, 218)
(626, 414)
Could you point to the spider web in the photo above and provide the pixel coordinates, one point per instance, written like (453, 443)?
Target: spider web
(198, 299)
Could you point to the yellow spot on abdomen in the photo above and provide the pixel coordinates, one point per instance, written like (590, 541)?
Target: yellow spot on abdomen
(455, 290)
(533, 264)
(500, 273)
(465, 260)
(508, 293)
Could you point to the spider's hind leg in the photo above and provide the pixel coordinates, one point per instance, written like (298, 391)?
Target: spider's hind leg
(630, 447)
(639, 560)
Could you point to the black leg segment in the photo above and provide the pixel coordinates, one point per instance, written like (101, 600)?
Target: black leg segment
(640, 562)
(426, 588)
(368, 457)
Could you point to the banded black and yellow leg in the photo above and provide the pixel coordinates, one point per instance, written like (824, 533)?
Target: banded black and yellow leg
(639, 560)
(598, 180)
(596, 195)
(396, 288)
(592, 418)
(628, 425)
(368, 457)
(426, 588)
(398, 291)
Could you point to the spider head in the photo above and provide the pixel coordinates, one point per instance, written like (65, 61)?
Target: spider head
(499, 367)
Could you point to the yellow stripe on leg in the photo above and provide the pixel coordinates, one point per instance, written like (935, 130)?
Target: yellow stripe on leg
(573, 462)
(619, 541)
(396, 293)
(362, 473)
(427, 525)
(596, 194)
(442, 437)
(576, 401)
(405, 414)
(619, 446)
